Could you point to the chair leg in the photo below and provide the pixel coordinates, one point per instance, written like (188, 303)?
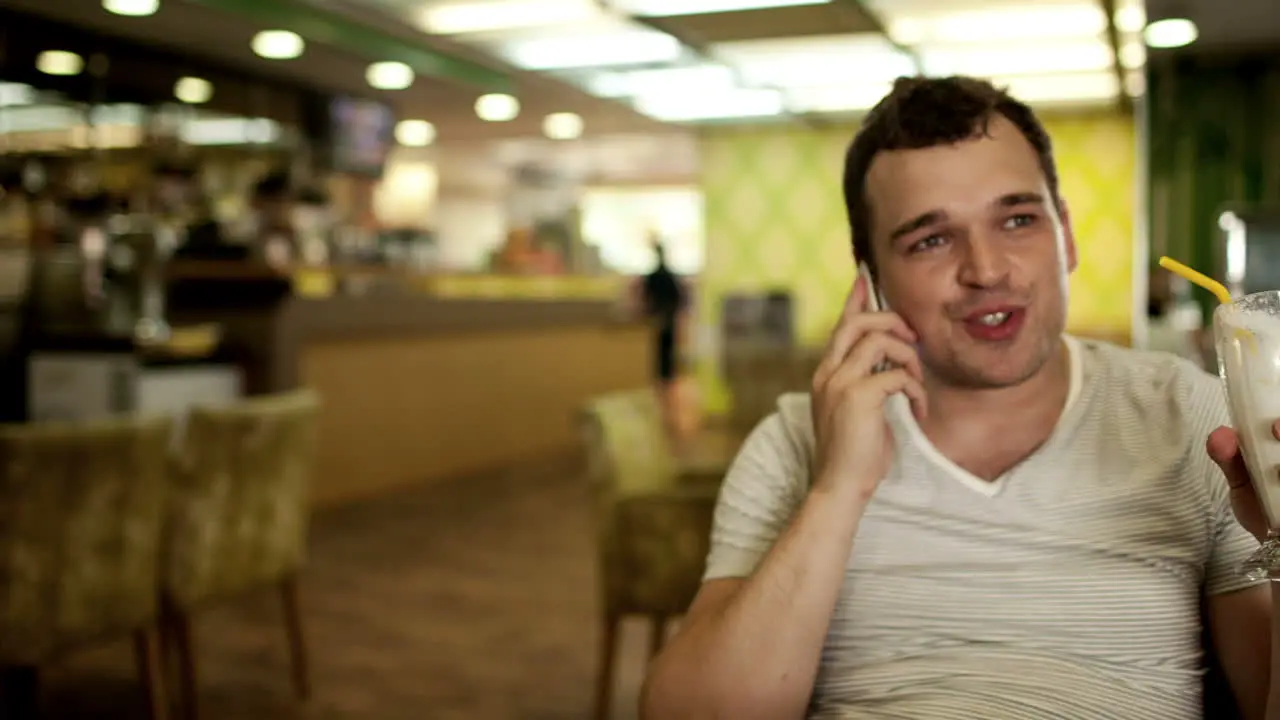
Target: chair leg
(297, 640)
(19, 692)
(182, 641)
(146, 651)
(658, 635)
(604, 678)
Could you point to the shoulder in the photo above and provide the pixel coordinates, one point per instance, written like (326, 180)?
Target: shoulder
(1158, 383)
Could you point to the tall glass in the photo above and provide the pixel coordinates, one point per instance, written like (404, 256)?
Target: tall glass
(1247, 335)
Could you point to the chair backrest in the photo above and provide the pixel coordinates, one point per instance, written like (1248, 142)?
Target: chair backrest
(627, 446)
(653, 531)
(758, 376)
(81, 518)
(240, 507)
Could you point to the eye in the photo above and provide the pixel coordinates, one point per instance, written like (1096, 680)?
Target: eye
(928, 243)
(1019, 221)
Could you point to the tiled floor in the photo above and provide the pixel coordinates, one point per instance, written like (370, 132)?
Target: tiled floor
(474, 599)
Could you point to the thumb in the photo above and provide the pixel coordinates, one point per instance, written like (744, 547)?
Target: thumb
(1223, 447)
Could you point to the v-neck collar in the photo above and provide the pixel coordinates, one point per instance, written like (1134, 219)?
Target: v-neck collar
(991, 488)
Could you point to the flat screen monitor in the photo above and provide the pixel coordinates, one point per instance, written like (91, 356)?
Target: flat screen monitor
(361, 135)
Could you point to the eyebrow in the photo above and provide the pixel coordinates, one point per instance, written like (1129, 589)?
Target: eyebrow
(934, 217)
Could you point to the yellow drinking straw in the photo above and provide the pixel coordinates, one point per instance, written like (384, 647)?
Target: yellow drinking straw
(1199, 278)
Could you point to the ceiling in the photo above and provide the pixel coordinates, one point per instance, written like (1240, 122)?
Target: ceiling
(634, 67)
(214, 35)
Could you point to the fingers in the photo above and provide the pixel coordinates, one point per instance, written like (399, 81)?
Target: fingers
(875, 348)
(852, 329)
(1223, 447)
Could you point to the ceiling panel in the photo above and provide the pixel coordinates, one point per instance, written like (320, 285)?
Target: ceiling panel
(822, 19)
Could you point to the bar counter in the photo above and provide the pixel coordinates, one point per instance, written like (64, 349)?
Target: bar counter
(417, 388)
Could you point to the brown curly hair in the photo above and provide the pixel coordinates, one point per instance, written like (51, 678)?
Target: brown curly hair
(925, 112)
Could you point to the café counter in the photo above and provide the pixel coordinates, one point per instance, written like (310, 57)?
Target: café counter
(419, 387)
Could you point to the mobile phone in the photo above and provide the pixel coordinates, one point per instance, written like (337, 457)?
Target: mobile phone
(875, 303)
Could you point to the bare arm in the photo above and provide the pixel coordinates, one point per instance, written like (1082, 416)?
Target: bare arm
(1238, 623)
(750, 648)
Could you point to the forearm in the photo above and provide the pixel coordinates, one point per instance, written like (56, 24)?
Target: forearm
(758, 655)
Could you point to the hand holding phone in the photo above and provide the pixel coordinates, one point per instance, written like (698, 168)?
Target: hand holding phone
(870, 358)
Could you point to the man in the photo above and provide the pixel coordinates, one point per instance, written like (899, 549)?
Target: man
(1007, 523)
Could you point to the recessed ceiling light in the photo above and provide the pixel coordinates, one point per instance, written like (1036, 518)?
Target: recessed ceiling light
(131, 8)
(389, 75)
(497, 107)
(1131, 17)
(562, 126)
(1170, 33)
(668, 8)
(59, 62)
(415, 133)
(193, 90)
(278, 44)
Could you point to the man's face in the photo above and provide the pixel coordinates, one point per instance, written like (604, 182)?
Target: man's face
(972, 251)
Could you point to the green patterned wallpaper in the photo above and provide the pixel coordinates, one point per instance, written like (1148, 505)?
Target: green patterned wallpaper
(775, 219)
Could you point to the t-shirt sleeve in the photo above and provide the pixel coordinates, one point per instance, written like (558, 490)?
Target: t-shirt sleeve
(762, 490)
(1231, 546)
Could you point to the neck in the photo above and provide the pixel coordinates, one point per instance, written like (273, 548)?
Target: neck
(1043, 394)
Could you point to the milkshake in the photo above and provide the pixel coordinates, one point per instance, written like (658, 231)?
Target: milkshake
(1247, 334)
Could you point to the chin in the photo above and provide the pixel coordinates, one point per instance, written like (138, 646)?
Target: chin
(990, 368)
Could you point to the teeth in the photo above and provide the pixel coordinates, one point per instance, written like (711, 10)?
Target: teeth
(994, 318)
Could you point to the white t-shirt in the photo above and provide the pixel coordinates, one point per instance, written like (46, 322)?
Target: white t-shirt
(1067, 588)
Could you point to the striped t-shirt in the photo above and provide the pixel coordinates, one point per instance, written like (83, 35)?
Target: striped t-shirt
(1067, 588)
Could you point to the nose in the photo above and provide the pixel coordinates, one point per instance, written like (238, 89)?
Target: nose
(983, 264)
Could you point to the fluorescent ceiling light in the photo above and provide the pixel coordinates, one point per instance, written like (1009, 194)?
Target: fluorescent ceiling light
(985, 60)
(389, 75)
(278, 44)
(131, 8)
(469, 16)
(699, 78)
(1131, 16)
(819, 60)
(59, 62)
(1171, 33)
(497, 107)
(1076, 19)
(1062, 88)
(836, 98)
(1133, 54)
(669, 8)
(415, 133)
(1135, 83)
(562, 126)
(620, 47)
(193, 90)
(12, 94)
(679, 107)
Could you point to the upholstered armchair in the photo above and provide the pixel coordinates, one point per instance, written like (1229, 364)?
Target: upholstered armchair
(81, 517)
(654, 523)
(238, 519)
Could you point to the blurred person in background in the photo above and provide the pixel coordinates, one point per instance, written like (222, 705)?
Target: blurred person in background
(663, 299)
(974, 516)
(271, 230)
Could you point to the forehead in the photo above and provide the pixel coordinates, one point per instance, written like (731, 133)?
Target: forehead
(971, 174)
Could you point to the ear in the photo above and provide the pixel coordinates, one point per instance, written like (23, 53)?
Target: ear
(1068, 236)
